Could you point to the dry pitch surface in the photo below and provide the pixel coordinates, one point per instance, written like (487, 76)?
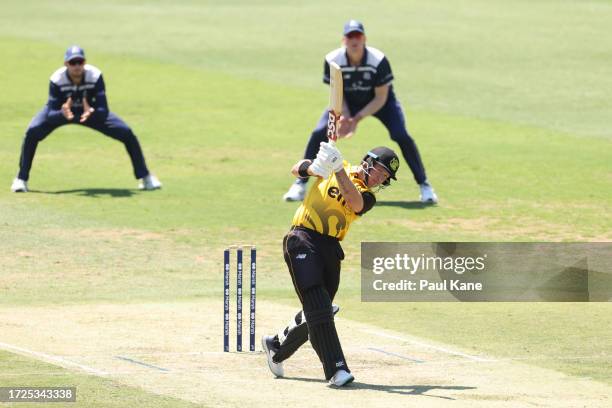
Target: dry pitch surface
(174, 349)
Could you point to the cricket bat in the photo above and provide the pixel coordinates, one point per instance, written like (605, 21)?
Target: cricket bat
(335, 100)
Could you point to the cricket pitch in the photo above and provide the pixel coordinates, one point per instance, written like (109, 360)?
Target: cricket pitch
(175, 349)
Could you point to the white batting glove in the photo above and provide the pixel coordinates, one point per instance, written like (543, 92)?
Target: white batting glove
(322, 157)
(331, 156)
(320, 169)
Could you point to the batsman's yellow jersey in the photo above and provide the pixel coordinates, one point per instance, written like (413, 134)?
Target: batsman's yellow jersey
(325, 210)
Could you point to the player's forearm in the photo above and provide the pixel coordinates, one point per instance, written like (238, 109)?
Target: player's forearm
(295, 170)
(101, 104)
(101, 107)
(346, 112)
(55, 116)
(349, 191)
(54, 105)
(372, 107)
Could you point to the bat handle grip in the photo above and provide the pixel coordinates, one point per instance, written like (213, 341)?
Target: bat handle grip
(332, 126)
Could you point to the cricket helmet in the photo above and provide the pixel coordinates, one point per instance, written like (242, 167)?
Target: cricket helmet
(386, 158)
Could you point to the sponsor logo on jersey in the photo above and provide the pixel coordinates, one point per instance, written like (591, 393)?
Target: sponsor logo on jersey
(334, 192)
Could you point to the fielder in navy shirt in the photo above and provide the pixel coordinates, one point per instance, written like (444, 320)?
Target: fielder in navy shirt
(368, 91)
(77, 95)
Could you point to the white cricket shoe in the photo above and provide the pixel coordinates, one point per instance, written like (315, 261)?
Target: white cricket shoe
(19, 186)
(296, 192)
(268, 347)
(428, 195)
(149, 182)
(341, 378)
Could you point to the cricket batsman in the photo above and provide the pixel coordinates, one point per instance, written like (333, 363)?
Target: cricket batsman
(340, 195)
(368, 91)
(77, 95)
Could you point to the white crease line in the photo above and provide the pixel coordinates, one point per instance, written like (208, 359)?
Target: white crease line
(414, 360)
(50, 358)
(142, 363)
(430, 346)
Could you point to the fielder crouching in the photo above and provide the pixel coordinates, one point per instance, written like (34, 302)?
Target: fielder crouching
(340, 194)
(77, 95)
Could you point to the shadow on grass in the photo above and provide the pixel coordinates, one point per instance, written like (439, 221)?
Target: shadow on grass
(410, 205)
(94, 192)
(393, 389)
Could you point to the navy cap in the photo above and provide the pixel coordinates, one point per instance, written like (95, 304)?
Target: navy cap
(353, 26)
(74, 52)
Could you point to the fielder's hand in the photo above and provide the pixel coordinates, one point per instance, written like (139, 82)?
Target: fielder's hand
(346, 127)
(67, 109)
(331, 156)
(87, 110)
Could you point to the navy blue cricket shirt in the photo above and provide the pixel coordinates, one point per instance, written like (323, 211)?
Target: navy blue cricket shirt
(360, 81)
(91, 87)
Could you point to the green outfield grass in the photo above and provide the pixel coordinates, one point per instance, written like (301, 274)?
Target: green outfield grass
(509, 106)
(91, 391)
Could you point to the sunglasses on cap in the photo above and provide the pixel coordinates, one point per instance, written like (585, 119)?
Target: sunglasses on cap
(354, 34)
(76, 61)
